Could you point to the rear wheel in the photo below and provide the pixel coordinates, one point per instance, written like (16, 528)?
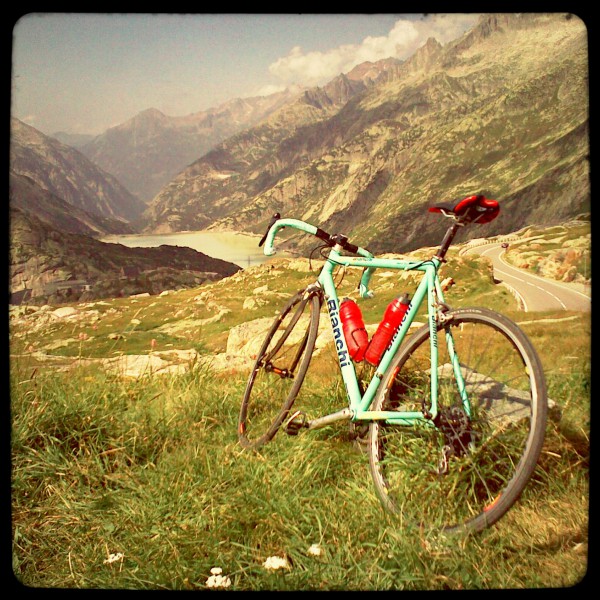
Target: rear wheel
(279, 370)
(465, 472)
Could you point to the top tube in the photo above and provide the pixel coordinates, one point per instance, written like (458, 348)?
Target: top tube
(369, 265)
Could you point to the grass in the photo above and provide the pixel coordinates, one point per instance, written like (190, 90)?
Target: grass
(153, 470)
(149, 470)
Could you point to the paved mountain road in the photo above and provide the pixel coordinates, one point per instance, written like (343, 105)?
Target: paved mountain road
(536, 293)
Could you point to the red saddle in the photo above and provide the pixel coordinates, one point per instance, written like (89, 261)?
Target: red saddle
(473, 209)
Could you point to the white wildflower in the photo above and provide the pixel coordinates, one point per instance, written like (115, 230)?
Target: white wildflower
(114, 558)
(315, 550)
(216, 580)
(274, 563)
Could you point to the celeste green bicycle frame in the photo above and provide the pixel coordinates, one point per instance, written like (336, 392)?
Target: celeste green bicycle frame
(429, 289)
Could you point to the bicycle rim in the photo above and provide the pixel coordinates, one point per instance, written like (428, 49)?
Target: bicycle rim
(466, 472)
(279, 370)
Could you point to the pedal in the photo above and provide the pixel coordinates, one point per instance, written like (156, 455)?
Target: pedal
(295, 423)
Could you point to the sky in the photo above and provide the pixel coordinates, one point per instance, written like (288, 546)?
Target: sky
(86, 72)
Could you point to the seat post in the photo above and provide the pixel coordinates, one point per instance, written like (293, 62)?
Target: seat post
(450, 233)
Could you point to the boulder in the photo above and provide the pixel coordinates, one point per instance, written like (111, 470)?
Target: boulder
(65, 312)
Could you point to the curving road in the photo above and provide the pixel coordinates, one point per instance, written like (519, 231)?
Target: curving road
(536, 293)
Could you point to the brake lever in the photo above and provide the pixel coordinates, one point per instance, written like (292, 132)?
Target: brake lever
(274, 220)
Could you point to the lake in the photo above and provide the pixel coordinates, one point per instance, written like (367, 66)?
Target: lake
(239, 248)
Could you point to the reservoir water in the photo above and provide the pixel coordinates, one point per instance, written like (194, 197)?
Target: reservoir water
(239, 248)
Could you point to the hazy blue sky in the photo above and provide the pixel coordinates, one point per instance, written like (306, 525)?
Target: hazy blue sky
(84, 73)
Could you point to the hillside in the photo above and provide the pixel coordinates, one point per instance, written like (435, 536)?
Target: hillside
(68, 174)
(147, 151)
(124, 452)
(562, 252)
(253, 160)
(501, 111)
(29, 197)
(227, 315)
(51, 266)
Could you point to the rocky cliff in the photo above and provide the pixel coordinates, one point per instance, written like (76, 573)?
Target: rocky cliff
(252, 161)
(29, 197)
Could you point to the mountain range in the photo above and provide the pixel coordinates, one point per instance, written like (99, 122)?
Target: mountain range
(27, 195)
(59, 202)
(503, 111)
(147, 151)
(49, 265)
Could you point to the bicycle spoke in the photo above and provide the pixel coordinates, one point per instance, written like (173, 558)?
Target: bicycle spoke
(463, 470)
(279, 371)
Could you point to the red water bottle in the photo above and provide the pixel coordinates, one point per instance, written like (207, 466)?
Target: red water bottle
(390, 323)
(355, 334)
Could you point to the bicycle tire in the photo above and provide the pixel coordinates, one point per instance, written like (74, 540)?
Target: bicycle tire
(279, 370)
(489, 456)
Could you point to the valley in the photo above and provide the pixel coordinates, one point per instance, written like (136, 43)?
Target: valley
(502, 110)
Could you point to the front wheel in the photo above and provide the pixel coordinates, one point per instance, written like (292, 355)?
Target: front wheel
(460, 471)
(279, 370)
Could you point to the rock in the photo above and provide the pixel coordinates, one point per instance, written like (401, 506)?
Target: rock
(227, 362)
(299, 264)
(250, 304)
(204, 297)
(569, 274)
(187, 325)
(253, 303)
(246, 338)
(59, 344)
(65, 312)
(139, 365)
(263, 289)
(190, 355)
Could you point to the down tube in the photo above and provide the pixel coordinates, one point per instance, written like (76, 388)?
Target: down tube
(433, 339)
(346, 365)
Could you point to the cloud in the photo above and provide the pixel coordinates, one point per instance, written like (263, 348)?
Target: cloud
(267, 90)
(407, 35)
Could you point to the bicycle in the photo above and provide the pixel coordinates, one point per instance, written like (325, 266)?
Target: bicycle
(453, 418)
